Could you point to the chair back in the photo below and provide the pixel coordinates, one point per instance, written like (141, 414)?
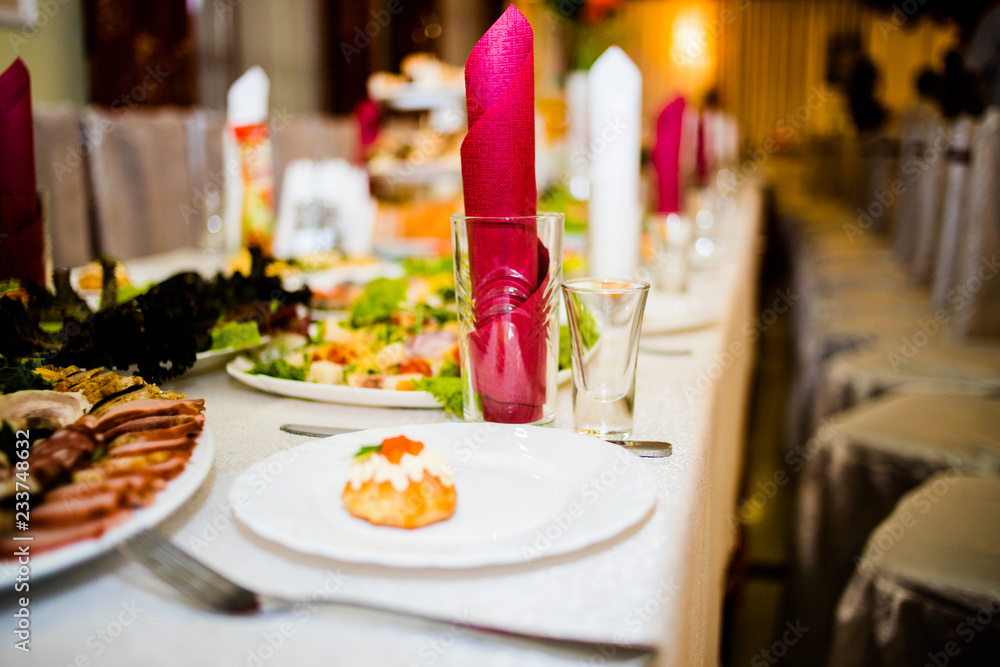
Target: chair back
(61, 169)
(930, 189)
(141, 185)
(954, 213)
(977, 295)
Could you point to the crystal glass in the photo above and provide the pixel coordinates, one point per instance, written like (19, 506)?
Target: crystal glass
(507, 276)
(605, 317)
(671, 265)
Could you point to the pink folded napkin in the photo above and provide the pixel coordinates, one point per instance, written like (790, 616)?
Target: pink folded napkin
(666, 155)
(508, 264)
(22, 238)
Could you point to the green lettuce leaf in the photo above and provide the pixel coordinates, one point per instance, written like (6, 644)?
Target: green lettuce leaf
(279, 368)
(377, 303)
(235, 334)
(447, 391)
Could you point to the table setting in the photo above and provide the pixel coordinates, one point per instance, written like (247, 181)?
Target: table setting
(480, 458)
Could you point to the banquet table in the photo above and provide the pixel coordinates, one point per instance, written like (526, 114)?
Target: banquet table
(660, 582)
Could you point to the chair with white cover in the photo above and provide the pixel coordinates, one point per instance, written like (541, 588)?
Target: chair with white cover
(954, 212)
(139, 173)
(930, 186)
(61, 169)
(976, 299)
(855, 469)
(913, 365)
(913, 133)
(926, 590)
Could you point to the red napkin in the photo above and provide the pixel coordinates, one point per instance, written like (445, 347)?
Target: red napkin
(508, 264)
(666, 155)
(22, 240)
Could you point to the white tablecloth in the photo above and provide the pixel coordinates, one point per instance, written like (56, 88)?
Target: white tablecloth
(661, 582)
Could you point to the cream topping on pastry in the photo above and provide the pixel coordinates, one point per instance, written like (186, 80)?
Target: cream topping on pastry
(376, 468)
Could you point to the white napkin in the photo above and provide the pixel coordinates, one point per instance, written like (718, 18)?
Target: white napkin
(247, 104)
(615, 110)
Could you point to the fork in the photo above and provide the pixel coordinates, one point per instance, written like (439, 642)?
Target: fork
(202, 584)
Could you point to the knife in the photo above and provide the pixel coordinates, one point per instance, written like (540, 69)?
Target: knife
(650, 449)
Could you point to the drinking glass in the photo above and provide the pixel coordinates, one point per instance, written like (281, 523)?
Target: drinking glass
(507, 276)
(672, 236)
(605, 317)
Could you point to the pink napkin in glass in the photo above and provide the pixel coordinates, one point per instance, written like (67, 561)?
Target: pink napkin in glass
(508, 265)
(666, 155)
(22, 239)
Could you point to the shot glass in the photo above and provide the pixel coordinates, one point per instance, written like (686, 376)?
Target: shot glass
(605, 318)
(672, 236)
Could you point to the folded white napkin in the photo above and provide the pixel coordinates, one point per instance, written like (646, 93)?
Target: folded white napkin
(615, 216)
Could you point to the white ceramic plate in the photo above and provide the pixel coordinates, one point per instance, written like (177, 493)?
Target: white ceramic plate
(524, 492)
(332, 393)
(667, 313)
(166, 503)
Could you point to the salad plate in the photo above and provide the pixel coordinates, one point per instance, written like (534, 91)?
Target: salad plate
(523, 493)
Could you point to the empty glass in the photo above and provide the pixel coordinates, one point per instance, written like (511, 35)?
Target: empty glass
(672, 251)
(605, 317)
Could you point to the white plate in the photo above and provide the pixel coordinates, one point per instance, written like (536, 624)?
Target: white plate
(333, 393)
(524, 492)
(166, 503)
(329, 393)
(666, 313)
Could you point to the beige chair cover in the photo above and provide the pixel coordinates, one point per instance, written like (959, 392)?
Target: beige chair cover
(140, 181)
(927, 588)
(954, 212)
(915, 366)
(978, 280)
(930, 186)
(61, 168)
(913, 127)
(855, 469)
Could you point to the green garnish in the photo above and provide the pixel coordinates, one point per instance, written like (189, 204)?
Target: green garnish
(235, 334)
(20, 375)
(377, 302)
(588, 330)
(366, 450)
(431, 266)
(447, 391)
(279, 368)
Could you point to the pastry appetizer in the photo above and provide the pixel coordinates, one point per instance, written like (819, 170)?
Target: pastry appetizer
(400, 483)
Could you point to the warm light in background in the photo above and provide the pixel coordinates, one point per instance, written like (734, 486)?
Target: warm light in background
(692, 45)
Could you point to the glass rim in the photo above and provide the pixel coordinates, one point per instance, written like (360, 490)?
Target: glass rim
(545, 215)
(631, 286)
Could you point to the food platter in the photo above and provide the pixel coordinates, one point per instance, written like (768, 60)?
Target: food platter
(168, 501)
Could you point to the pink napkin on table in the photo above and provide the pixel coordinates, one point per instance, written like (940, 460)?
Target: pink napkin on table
(22, 238)
(666, 155)
(508, 265)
